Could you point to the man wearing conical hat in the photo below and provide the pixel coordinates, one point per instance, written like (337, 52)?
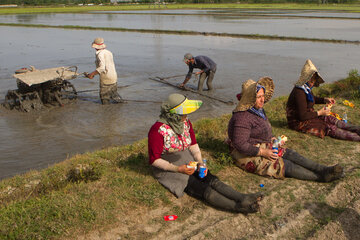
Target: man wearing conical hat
(252, 144)
(105, 67)
(302, 117)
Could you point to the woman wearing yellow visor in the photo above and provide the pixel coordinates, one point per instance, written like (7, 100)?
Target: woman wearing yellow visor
(172, 146)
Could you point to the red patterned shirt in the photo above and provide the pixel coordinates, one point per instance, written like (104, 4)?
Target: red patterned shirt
(162, 139)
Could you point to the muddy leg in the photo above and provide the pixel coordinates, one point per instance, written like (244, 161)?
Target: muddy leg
(209, 80)
(201, 81)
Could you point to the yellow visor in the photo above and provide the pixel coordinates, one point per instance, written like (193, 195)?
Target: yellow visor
(187, 107)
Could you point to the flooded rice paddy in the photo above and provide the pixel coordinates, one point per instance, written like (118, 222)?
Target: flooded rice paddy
(36, 140)
(237, 22)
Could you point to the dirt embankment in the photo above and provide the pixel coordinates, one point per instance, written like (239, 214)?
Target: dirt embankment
(292, 209)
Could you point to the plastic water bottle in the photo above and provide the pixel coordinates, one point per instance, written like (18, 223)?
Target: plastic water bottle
(345, 118)
(275, 144)
(202, 169)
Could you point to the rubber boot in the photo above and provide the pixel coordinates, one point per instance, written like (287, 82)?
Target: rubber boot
(298, 159)
(348, 127)
(344, 135)
(231, 193)
(218, 200)
(328, 174)
(332, 173)
(296, 171)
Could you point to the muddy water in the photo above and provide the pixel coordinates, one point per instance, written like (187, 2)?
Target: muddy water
(240, 22)
(31, 141)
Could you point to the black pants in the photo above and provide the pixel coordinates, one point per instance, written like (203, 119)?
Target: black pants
(196, 186)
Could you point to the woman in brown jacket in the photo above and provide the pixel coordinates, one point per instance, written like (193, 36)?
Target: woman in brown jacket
(302, 117)
(251, 139)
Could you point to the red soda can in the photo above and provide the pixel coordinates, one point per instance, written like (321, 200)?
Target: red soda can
(170, 217)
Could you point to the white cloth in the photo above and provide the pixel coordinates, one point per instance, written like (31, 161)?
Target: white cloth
(105, 66)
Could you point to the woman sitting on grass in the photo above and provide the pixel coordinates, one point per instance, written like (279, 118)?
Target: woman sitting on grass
(302, 117)
(251, 139)
(172, 146)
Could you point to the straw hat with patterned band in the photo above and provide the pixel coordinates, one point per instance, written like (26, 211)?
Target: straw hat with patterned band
(307, 72)
(248, 93)
(181, 105)
(98, 43)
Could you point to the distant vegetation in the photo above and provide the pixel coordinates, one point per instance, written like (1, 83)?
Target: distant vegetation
(70, 2)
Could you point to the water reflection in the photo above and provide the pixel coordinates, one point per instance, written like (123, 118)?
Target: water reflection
(26, 18)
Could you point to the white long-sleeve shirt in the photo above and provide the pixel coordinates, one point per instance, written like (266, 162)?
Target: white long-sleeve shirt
(105, 66)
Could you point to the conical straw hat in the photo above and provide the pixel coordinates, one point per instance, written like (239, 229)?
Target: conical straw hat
(307, 72)
(248, 93)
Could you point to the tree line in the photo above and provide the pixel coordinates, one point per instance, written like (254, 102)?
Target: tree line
(51, 2)
(69, 2)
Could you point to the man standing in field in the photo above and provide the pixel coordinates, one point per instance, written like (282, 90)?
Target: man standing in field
(207, 70)
(105, 67)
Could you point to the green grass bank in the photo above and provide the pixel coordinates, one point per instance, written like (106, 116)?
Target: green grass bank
(98, 192)
(84, 9)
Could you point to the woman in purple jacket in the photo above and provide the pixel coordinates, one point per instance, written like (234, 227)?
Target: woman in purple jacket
(251, 139)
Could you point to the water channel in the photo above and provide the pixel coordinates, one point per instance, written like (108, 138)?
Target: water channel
(39, 139)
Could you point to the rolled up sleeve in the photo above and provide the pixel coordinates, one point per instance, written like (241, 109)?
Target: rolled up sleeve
(191, 69)
(101, 63)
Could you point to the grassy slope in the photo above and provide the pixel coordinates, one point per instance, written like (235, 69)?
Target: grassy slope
(115, 186)
(79, 9)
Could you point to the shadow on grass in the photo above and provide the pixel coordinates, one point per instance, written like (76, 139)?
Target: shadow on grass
(348, 218)
(137, 163)
(278, 123)
(218, 149)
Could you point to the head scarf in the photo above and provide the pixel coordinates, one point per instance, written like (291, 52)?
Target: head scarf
(259, 112)
(247, 97)
(171, 119)
(307, 91)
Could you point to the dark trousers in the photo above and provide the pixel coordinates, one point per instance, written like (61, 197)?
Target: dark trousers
(196, 186)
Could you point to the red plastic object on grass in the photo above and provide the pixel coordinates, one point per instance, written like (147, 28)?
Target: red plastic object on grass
(170, 217)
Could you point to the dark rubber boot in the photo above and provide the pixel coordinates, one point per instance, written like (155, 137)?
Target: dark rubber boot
(296, 171)
(328, 174)
(231, 193)
(332, 173)
(348, 127)
(218, 200)
(344, 135)
(298, 159)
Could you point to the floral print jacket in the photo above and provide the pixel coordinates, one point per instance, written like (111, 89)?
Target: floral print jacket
(162, 139)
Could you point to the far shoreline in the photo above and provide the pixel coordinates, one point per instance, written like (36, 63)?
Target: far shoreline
(355, 7)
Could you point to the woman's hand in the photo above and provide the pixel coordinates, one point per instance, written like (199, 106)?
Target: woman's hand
(269, 153)
(330, 100)
(185, 170)
(323, 112)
